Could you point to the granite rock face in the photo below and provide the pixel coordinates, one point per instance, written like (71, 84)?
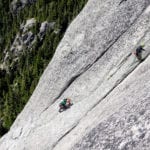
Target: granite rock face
(95, 67)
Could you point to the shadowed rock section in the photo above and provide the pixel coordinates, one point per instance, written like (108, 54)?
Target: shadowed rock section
(95, 67)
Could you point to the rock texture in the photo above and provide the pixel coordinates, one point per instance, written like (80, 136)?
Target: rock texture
(44, 26)
(110, 89)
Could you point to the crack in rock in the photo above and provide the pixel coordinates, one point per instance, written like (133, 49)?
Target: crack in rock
(54, 145)
(107, 94)
(90, 65)
(122, 1)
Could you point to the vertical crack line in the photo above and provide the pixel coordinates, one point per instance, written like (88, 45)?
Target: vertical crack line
(119, 66)
(55, 144)
(67, 85)
(62, 91)
(122, 1)
(119, 82)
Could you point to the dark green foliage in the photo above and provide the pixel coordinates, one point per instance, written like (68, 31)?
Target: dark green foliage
(21, 78)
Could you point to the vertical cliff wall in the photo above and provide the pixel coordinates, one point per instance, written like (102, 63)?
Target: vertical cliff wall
(95, 67)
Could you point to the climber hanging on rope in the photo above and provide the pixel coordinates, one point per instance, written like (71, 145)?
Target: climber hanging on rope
(65, 104)
(138, 52)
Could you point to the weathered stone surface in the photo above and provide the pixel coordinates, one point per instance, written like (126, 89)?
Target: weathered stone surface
(44, 27)
(29, 23)
(95, 67)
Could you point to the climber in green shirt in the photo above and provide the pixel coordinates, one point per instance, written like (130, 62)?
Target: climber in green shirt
(64, 104)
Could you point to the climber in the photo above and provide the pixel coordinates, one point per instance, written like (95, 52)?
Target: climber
(66, 103)
(138, 52)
